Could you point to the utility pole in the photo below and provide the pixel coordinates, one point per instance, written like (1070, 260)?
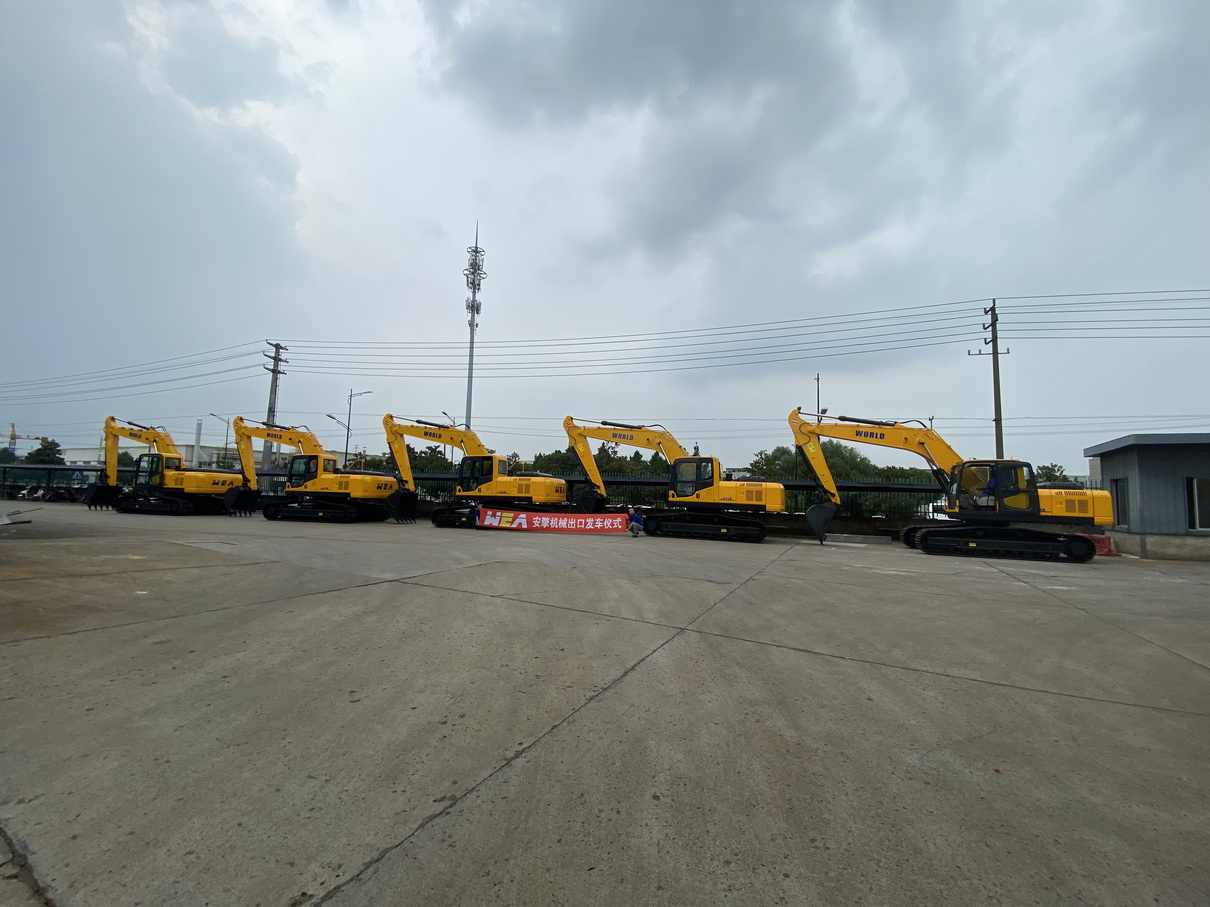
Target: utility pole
(349, 422)
(994, 340)
(226, 438)
(475, 275)
(817, 392)
(266, 460)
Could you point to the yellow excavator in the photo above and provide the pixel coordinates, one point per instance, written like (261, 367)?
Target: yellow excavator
(701, 502)
(162, 484)
(315, 489)
(483, 476)
(999, 508)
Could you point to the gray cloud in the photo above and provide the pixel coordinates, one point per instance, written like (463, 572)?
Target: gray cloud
(214, 68)
(118, 205)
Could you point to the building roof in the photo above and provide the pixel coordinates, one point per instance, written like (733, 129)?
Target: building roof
(1146, 441)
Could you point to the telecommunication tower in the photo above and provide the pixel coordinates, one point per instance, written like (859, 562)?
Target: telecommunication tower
(475, 275)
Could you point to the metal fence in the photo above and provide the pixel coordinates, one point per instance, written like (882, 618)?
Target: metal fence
(858, 500)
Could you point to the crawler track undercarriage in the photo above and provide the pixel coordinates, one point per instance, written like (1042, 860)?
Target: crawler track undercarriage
(999, 541)
(236, 502)
(684, 524)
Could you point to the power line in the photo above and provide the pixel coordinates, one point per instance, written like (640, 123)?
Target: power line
(121, 372)
(71, 398)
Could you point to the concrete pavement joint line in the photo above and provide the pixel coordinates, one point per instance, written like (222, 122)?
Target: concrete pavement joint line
(152, 620)
(1106, 620)
(914, 670)
(331, 892)
(526, 601)
(25, 870)
(736, 588)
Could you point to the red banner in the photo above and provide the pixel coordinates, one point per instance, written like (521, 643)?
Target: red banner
(551, 522)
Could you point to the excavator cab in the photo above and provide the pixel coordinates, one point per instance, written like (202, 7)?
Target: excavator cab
(149, 470)
(691, 475)
(995, 490)
(302, 469)
(474, 472)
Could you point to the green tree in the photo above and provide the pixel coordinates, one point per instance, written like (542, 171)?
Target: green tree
(431, 459)
(1051, 472)
(47, 454)
(778, 463)
(125, 458)
(7, 455)
(377, 462)
(559, 463)
(513, 459)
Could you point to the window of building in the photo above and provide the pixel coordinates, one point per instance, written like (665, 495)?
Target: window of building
(1199, 503)
(1120, 491)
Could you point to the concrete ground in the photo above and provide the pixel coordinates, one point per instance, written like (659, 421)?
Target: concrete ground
(214, 711)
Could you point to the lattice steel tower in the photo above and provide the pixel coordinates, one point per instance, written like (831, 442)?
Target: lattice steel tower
(475, 275)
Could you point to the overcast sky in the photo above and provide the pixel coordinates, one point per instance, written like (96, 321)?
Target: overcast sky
(183, 177)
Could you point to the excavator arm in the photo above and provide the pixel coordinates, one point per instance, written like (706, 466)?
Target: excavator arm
(922, 441)
(397, 443)
(245, 432)
(919, 440)
(448, 435)
(650, 438)
(116, 429)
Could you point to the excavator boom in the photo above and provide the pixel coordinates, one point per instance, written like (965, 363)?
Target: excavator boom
(115, 430)
(644, 436)
(300, 438)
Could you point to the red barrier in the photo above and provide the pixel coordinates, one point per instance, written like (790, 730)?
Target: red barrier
(1105, 545)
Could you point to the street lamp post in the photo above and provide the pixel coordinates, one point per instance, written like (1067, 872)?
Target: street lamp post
(349, 420)
(226, 436)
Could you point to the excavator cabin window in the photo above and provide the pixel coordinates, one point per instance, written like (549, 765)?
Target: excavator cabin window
(473, 472)
(149, 470)
(994, 486)
(303, 469)
(691, 475)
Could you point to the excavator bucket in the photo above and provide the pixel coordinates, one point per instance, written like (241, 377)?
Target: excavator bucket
(241, 501)
(819, 516)
(98, 496)
(402, 506)
(591, 503)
